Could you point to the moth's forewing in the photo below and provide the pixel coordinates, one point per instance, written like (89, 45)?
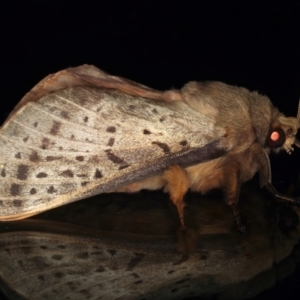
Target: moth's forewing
(79, 141)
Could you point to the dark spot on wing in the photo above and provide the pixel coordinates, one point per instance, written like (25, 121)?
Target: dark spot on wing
(7, 250)
(114, 158)
(100, 269)
(15, 189)
(3, 172)
(81, 175)
(45, 143)
(55, 128)
(111, 129)
(124, 167)
(146, 131)
(162, 119)
(183, 143)
(111, 142)
(17, 203)
(64, 115)
(86, 118)
(35, 124)
(44, 247)
(112, 252)
(22, 172)
(98, 174)
(171, 271)
(52, 158)
(72, 137)
(163, 146)
(51, 190)
(134, 261)
(41, 277)
(79, 158)
(33, 191)
(203, 257)
(1, 202)
(18, 155)
(131, 107)
(59, 275)
(83, 255)
(57, 257)
(41, 175)
(34, 157)
(154, 110)
(61, 246)
(84, 183)
(25, 139)
(67, 173)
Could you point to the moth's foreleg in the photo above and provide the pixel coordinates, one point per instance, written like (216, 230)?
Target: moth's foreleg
(265, 177)
(177, 184)
(231, 187)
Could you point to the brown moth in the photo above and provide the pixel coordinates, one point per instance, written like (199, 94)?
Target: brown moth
(82, 132)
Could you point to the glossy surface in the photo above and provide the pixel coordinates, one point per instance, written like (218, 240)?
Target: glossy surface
(125, 247)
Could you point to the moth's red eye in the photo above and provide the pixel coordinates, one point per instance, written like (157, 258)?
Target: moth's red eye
(276, 138)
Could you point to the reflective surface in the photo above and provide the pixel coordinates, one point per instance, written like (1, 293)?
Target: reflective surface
(121, 246)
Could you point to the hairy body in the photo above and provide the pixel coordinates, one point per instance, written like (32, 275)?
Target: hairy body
(248, 119)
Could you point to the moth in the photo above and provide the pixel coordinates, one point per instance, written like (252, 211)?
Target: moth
(82, 132)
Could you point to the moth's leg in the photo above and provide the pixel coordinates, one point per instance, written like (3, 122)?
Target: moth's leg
(177, 184)
(232, 184)
(265, 176)
(259, 161)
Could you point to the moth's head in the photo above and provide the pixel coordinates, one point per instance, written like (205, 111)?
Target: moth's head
(283, 133)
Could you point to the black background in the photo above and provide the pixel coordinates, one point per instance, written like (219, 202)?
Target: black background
(163, 45)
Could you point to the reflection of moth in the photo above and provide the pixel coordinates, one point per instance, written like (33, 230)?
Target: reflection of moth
(82, 132)
(94, 252)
